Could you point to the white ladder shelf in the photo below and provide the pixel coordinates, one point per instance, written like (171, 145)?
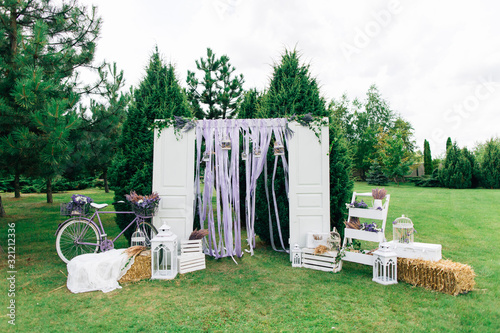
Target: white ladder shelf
(377, 237)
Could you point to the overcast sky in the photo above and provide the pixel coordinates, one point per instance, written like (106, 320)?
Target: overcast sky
(436, 62)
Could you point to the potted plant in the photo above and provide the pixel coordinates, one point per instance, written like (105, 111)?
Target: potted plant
(378, 195)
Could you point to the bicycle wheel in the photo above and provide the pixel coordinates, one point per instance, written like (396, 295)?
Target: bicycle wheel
(149, 230)
(72, 234)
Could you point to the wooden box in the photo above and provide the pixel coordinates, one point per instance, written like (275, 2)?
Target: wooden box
(191, 262)
(322, 262)
(417, 250)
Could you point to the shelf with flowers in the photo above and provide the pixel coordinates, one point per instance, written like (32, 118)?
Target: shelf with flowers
(365, 231)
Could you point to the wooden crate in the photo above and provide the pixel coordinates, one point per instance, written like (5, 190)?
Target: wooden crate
(416, 250)
(190, 262)
(321, 262)
(191, 246)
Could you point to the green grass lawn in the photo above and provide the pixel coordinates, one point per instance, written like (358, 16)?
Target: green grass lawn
(263, 293)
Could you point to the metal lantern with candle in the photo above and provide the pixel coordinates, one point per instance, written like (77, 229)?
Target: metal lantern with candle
(164, 254)
(296, 256)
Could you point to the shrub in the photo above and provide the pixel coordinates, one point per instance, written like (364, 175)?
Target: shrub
(490, 166)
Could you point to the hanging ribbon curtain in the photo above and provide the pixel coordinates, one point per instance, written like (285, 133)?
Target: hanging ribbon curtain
(220, 167)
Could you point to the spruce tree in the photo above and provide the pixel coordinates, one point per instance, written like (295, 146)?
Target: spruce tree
(158, 96)
(341, 182)
(449, 144)
(44, 44)
(457, 169)
(248, 108)
(427, 158)
(293, 91)
(376, 176)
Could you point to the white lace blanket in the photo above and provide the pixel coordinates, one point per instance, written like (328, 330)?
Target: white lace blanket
(97, 271)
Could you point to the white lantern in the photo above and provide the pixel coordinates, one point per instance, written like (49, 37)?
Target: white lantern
(206, 157)
(278, 149)
(226, 143)
(138, 238)
(164, 254)
(296, 256)
(385, 265)
(257, 152)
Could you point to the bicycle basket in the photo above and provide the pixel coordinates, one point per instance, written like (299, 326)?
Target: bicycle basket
(144, 211)
(70, 210)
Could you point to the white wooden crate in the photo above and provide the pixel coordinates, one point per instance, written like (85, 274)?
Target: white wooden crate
(322, 262)
(417, 250)
(191, 262)
(191, 246)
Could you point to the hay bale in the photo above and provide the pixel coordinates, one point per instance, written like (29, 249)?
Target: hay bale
(444, 275)
(140, 269)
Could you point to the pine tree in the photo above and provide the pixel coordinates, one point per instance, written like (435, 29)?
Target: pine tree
(427, 158)
(219, 90)
(158, 96)
(376, 176)
(100, 132)
(43, 45)
(490, 166)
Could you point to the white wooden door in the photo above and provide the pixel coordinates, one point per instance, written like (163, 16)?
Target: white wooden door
(173, 179)
(309, 191)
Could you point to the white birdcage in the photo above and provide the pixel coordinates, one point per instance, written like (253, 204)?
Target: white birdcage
(296, 256)
(138, 238)
(385, 265)
(402, 230)
(334, 241)
(164, 254)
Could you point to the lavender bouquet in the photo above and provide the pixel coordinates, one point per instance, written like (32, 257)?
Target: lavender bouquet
(79, 205)
(146, 205)
(356, 204)
(372, 227)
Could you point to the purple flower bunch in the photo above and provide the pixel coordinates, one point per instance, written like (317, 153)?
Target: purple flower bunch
(78, 201)
(360, 204)
(145, 205)
(372, 227)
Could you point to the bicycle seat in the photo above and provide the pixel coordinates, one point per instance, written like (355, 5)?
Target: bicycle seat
(98, 206)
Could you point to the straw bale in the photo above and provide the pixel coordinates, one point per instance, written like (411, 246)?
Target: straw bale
(444, 275)
(140, 269)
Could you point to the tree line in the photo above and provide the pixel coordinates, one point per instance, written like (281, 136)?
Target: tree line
(46, 132)
(462, 168)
